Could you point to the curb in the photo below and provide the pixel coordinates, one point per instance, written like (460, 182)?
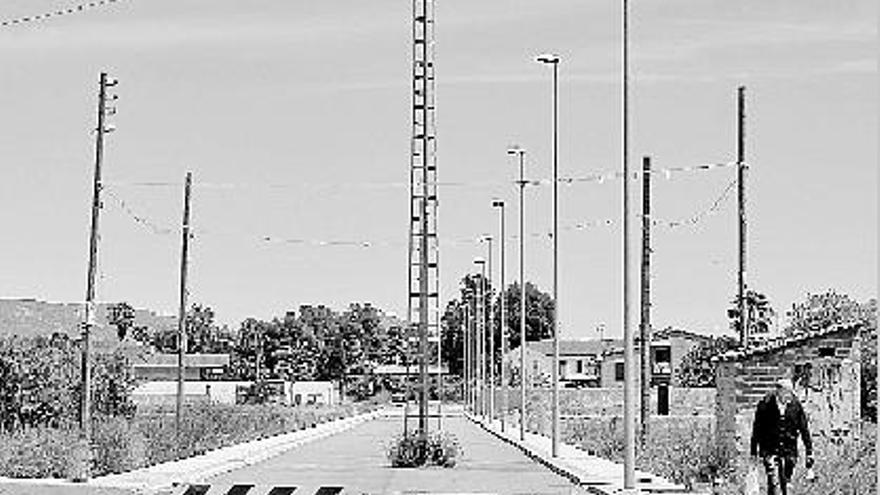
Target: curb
(164, 477)
(565, 470)
(531, 454)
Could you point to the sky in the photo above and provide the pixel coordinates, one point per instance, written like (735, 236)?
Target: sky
(294, 118)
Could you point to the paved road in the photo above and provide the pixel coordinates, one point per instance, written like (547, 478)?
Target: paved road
(355, 459)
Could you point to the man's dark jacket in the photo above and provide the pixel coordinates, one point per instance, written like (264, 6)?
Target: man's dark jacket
(777, 434)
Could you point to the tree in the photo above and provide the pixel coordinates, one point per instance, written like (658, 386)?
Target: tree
(201, 331)
(759, 311)
(820, 311)
(121, 316)
(697, 368)
(539, 314)
(539, 319)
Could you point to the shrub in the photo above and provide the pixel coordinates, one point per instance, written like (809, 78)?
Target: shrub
(414, 450)
(118, 446)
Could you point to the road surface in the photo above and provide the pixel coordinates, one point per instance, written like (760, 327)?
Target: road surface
(355, 459)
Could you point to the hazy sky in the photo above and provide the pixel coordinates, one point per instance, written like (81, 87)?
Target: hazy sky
(294, 118)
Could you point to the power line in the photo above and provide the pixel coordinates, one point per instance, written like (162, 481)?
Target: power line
(699, 217)
(141, 220)
(597, 177)
(157, 229)
(57, 13)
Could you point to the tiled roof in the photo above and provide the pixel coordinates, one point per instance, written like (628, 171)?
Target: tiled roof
(668, 332)
(575, 347)
(785, 342)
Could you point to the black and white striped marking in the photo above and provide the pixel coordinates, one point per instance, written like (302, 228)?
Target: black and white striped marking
(245, 489)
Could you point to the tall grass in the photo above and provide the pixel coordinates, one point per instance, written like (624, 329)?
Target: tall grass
(678, 448)
(121, 444)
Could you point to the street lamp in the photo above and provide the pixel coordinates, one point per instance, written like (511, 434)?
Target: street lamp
(516, 150)
(554, 61)
(488, 318)
(502, 333)
(480, 336)
(513, 151)
(465, 345)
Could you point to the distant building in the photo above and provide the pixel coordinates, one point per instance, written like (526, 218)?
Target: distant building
(312, 392)
(164, 392)
(159, 367)
(600, 363)
(399, 370)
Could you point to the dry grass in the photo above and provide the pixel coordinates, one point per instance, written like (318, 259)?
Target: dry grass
(120, 444)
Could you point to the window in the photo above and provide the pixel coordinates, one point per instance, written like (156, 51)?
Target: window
(826, 352)
(579, 366)
(618, 371)
(562, 363)
(662, 355)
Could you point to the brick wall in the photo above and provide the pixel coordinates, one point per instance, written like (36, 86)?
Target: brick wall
(826, 375)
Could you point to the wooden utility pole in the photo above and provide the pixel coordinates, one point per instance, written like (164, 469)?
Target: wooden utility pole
(85, 400)
(645, 328)
(181, 315)
(741, 168)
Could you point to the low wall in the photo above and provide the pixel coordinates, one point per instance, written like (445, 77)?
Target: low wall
(609, 401)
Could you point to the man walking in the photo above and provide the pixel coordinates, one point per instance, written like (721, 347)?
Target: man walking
(779, 420)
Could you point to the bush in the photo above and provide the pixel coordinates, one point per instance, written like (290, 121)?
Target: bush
(118, 446)
(414, 450)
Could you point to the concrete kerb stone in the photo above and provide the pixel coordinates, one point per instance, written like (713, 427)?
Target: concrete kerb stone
(162, 478)
(598, 482)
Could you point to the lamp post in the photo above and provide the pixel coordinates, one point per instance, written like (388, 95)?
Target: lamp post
(553, 60)
(465, 346)
(480, 337)
(629, 449)
(516, 150)
(502, 333)
(490, 329)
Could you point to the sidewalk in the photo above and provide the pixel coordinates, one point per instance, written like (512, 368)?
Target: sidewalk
(600, 476)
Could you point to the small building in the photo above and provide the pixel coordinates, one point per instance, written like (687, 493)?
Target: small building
(600, 363)
(197, 367)
(164, 392)
(579, 361)
(824, 368)
(399, 370)
(312, 392)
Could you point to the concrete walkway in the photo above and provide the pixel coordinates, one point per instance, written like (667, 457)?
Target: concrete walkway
(355, 459)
